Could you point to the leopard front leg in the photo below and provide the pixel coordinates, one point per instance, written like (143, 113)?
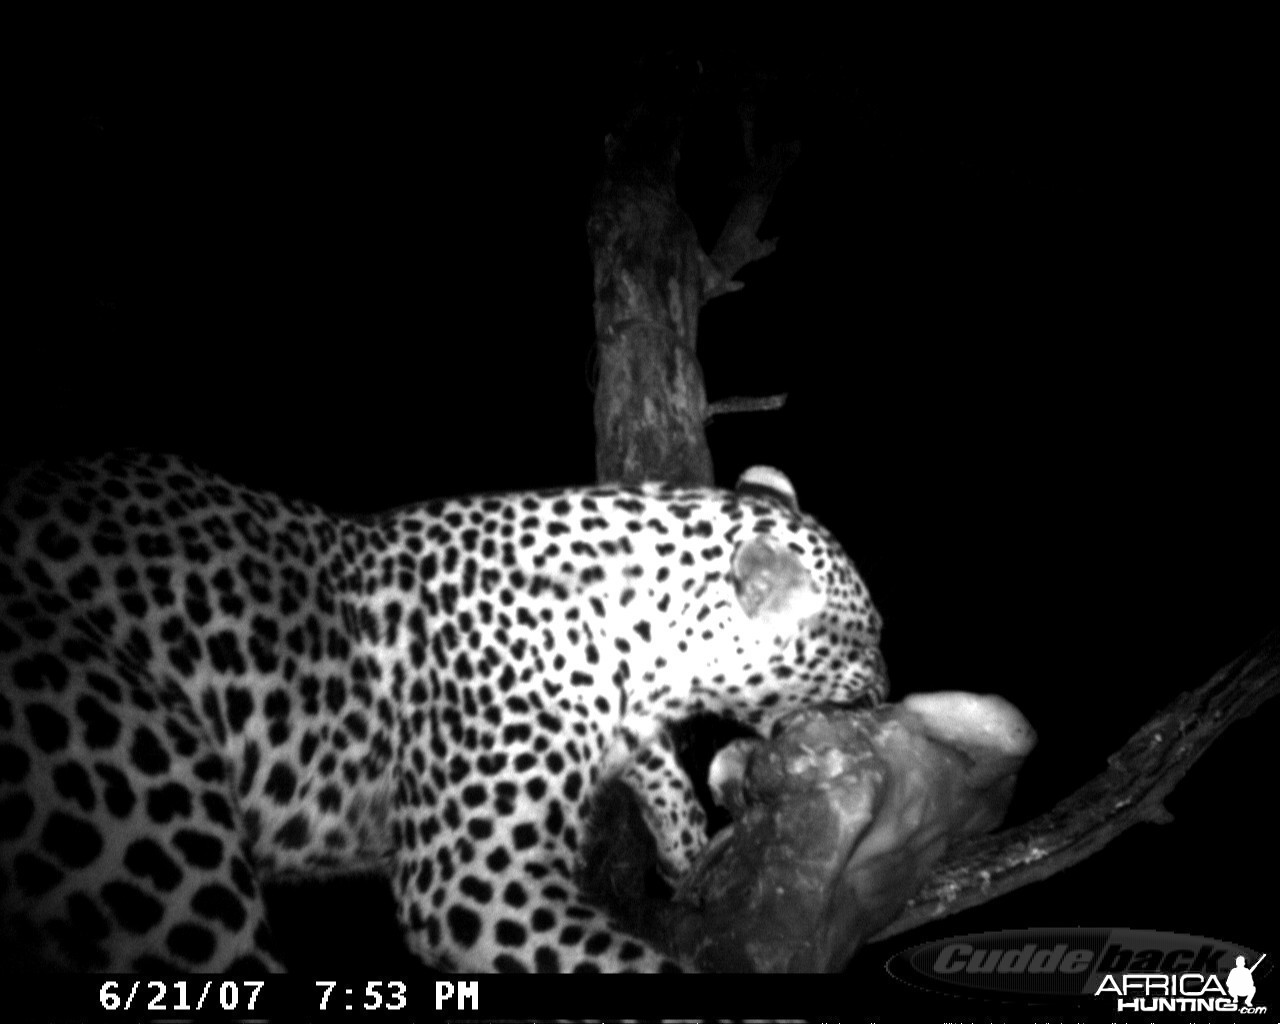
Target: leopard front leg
(668, 804)
(498, 893)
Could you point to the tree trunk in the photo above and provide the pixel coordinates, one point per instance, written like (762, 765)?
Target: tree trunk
(650, 401)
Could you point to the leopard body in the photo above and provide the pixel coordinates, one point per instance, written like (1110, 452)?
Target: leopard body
(204, 686)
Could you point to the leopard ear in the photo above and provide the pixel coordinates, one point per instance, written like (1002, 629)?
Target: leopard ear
(767, 482)
(773, 586)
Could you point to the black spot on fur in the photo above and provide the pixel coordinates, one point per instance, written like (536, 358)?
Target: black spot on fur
(597, 943)
(118, 795)
(164, 803)
(193, 942)
(86, 918)
(218, 903)
(243, 878)
(476, 888)
(546, 960)
(49, 728)
(53, 543)
(79, 650)
(200, 849)
(147, 753)
(218, 810)
(136, 910)
(197, 607)
(16, 812)
(182, 742)
(34, 875)
(239, 708)
(145, 858)
(37, 672)
(263, 643)
(281, 783)
(335, 694)
(224, 654)
(134, 603)
(101, 728)
(214, 713)
(72, 840)
(103, 619)
(210, 768)
(276, 704)
(252, 829)
(72, 783)
(105, 686)
(107, 543)
(464, 925)
(295, 833)
(14, 764)
(249, 763)
(9, 640)
(84, 583)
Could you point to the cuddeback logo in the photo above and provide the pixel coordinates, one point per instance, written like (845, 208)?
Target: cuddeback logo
(1142, 971)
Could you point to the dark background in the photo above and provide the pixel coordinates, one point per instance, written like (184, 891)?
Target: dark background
(1018, 307)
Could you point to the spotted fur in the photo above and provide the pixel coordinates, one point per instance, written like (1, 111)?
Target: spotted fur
(206, 686)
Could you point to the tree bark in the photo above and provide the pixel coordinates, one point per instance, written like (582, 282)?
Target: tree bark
(649, 277)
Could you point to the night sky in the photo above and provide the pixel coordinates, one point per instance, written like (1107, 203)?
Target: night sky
(1017, 305)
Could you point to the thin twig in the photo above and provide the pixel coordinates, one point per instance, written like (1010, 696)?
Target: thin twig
(746, 403)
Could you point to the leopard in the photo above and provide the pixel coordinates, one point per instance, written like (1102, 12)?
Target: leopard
(206, 688)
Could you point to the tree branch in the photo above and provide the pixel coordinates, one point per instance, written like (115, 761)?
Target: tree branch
(1132, 789)
(739, 243)
(747, 403)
